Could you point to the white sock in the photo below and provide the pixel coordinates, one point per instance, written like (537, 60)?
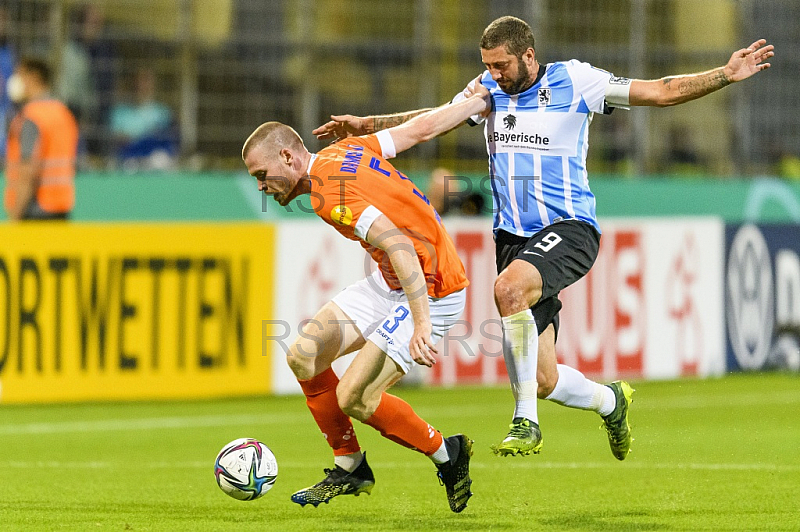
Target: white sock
(521, 353)
(576, 391)
(440, 456)
(349, 462)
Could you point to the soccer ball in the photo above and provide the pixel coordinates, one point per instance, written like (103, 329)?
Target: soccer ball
(246, 469)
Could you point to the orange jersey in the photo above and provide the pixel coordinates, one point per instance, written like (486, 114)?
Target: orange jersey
(352, 184)
(56, 149)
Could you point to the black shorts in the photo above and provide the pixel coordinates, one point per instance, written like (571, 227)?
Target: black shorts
(562, 252)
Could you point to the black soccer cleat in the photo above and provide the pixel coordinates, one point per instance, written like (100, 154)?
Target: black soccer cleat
(454, 474)
(337, 482)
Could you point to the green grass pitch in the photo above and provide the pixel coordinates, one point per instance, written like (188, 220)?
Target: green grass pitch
(721, 454)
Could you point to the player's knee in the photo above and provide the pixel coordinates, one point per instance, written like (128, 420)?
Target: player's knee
(504, 294)
(301, 359)
(512, 296)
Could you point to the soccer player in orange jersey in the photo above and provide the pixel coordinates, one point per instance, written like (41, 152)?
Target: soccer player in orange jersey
(393, 317)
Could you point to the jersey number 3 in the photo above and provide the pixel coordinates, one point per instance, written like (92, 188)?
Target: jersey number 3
(401, 312)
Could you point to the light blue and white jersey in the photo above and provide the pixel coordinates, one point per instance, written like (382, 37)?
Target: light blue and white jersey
(537, 142)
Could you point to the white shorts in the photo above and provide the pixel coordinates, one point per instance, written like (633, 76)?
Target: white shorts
(383, 316)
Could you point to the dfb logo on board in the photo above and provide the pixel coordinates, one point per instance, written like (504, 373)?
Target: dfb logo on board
(749, 302)
(762, 282)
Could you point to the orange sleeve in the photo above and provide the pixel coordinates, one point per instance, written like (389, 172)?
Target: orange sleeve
(380, 143)
(341, 204)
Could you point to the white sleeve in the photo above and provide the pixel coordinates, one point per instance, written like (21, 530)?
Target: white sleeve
(618, 91)
(388, 148)
(474, 119)
(591, 82)
(365, 221)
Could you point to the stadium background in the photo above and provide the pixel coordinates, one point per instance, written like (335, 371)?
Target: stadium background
(138, 339)
(223, 64)
(205, 292)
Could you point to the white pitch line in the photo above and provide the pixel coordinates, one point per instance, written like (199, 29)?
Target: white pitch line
(413, 464)
(453, 411)
(175, 422)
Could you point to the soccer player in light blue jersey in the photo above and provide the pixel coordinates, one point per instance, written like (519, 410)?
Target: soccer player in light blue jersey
(545, 227)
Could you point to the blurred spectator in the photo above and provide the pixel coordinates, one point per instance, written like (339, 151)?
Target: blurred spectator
(6, 69)
(450, 194)
(42, 148)
(86, 79)
(144, 129)
(74, 85)
(682, 156)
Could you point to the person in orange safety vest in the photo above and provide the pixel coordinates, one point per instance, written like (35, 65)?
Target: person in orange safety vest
(42, 148)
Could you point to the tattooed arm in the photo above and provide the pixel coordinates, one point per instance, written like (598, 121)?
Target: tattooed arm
(377, 123)
(674, 90)
(439, 121)
(341, 126)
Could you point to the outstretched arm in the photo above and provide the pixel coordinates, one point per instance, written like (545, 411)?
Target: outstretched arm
(429, 125)
(674, 90)
(343, 126)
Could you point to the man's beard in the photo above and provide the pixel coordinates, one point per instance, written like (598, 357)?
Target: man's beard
(523, 81)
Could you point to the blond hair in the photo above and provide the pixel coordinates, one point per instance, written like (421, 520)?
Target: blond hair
(275, 136)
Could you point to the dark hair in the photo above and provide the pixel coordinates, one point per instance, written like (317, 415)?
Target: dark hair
(513, 33)
(38, 67)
